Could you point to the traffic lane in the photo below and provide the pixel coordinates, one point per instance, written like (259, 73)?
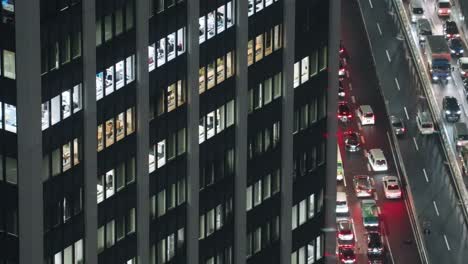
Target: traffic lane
(368, 95)
(439, 240)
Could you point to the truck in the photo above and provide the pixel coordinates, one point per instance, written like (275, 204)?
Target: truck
(370, 213)
(438, 58)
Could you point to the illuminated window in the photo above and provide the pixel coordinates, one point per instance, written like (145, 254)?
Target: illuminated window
(120, 126)
(305, 69)
(66, 157)
(171, 97)
(130, 121)
(230, 14)
(202, 30)
(151, 58)
(76, 152)
(44, 118)
(99, 85)
(130, 70)
(210, 124)
(220, 19)
(230, 67)
(161, 149)
(211, 75)
(10, 118)
(9, 65)
(56, 109)
(180, 41)
(277, 43)
(210, 25)
(77, 98)
(100, 138)
(201, 80)
(180, 93)
(296, 74)
(268, 42)
(171, 46)
(66, 104)
(220, 70)
(109, 132)
(250, 53)
(119, 75)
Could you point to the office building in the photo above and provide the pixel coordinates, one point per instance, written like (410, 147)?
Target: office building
(169, 131)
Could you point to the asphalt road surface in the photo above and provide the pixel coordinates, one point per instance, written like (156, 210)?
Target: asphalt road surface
(435, 199)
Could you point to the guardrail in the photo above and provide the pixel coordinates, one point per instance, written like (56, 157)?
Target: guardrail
(423, 73)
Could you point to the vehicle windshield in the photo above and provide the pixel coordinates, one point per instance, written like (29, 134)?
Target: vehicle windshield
(464, 66)
(418, 10)
(441, 66)
(427, 125)
(398, 124)
(456, 43)
(340, 202)
(393, 187)
(462, 137)
(444, 5)
(369, 115)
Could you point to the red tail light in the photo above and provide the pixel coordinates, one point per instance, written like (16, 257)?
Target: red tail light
(349, 116)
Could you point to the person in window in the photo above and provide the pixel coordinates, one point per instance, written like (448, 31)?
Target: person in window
(170, 44)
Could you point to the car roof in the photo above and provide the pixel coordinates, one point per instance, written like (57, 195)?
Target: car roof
(366, 108)
(344, 225)
(451, 101)
(340, 195)
(395, 119)
(376, 152)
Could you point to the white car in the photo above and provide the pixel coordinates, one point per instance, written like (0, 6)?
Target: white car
(365, 115)
(341, 203)
(391, 187)
(377, 160)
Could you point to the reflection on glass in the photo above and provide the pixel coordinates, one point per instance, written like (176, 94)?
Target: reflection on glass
(211, 75)
(77, 98)
(109, 80)
(171, 47)
(220, 119)
(119, 74)
(202, 31)
(99, 80)
(152, 160)
(211, 24)
(250, 52)
(171, 97)
(161, 153)
(109, 132)
(55, 109)
(268, 2)
(110, 187)
(201, 80)
(66, 104)
(210, 125)
(151, 58)
(230, 15)
(220, 19)
(230, 64)
(201, 130)
(180, 41)
(120, 127)
(100, 138)
(259, 48)
(130, 70)
(44, 118)
(66, 156)
(161, 51)
(180, 93)
(251, 7)
(220, 70)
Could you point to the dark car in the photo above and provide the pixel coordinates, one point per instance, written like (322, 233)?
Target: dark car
(375, 259)
(374, 243)
(456, 47)
(352, 141)
(346, 255)
(451, 109)
(451, 29)
(342, 70)
(424, 29)
(344, 112)
(397, 125)
(341, 91)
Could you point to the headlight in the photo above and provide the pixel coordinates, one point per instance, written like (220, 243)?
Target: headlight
(461, 51)
(459, 112)
(462, 72)
(447, 112)
(449, 77)
(452, 51)
(435, 78)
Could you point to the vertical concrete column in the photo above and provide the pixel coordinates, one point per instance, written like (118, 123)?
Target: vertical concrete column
(142, 116)
(332, 128)
(90, 128)
(240, 180)
(193, 183)
(287, 117)
(28, 87)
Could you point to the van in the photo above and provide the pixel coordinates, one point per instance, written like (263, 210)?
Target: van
(416, 9)
(366, 115)
(460, 134)
(377, 160)
(424, 29)
(443, 8)
(341, 203)
(424, 123)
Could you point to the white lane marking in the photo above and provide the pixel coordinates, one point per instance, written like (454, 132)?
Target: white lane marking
(359, 126)
(344, 181)
(350, 86)
(425, 175)
(376, 196)
(446, 242)
(397, 84)
(370, 3)
(354, 231)
(368, 167)
(435, 207)
(380, 30)
(388, 56)
(415, 144)
(406, 113)
(378, 209)
(362, 140)
(353, 99)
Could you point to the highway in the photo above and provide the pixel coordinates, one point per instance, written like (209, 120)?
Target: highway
(435, 199)
(362, 87)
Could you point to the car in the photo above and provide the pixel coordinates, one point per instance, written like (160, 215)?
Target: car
(424, 29)
(375, 259)
(345, 230)
(391, 187)
(344, 112)
(347, 255)
(443, 8)
(341, 91)
(341, 203)
(397, 125)
(362, 185)
(451, 108)
(365, 115)
(374, 243)
(451, 30)
(377, 160)
(463, 67)
(342, 70)
(352, 141)
(424, 123)
(456, 47)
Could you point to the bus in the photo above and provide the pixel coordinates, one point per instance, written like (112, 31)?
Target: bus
(339, 166)
(370, 213)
